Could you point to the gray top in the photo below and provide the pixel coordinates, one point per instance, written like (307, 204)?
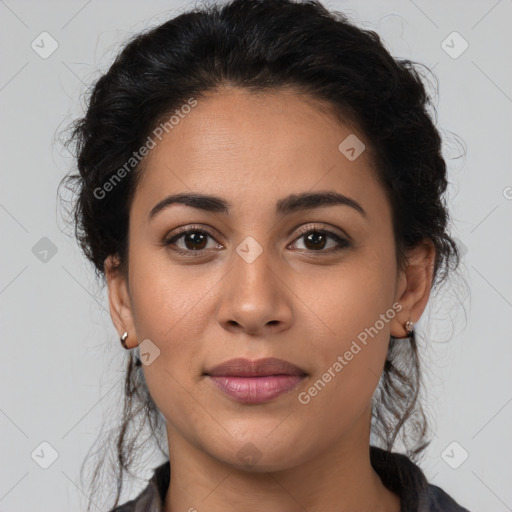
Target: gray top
(397, 472)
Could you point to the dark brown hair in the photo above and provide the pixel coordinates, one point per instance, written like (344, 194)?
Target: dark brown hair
(265, 46)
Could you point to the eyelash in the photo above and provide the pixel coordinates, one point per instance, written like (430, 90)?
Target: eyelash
(343, 243)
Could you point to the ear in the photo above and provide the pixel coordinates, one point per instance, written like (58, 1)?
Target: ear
(413, 290)
(119, 301)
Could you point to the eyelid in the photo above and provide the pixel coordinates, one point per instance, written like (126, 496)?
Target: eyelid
(182, 230)
(321, 227)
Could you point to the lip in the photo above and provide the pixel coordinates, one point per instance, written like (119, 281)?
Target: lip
(256, 390)
(267, 366)
(254, 382)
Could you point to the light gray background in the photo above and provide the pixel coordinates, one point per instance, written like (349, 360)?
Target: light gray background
(62, 364)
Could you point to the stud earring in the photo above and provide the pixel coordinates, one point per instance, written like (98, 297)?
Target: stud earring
(123, 340)
(409, 327)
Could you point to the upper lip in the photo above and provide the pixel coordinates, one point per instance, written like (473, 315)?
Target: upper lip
(241, 367)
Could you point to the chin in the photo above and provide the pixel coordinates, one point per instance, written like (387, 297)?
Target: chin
(259, 455)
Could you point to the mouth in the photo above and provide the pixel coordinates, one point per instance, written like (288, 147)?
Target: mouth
(254, 382)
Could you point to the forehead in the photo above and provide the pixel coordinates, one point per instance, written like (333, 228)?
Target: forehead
(253, 149)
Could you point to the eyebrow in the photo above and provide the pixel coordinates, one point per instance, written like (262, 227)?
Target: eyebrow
(285, 206)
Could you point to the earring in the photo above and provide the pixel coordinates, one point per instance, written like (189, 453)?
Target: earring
(409, 327)
(123, 340)
(135, 358)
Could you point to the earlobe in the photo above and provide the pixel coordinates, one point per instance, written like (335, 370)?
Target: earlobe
(119, 301)
(414, 294)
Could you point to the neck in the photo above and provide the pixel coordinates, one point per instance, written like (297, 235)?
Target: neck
(340, 479)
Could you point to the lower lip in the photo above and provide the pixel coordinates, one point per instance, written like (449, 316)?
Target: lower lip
(256, 390)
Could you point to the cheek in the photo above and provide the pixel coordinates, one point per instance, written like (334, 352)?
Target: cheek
(169, 311)
(168, 300)
(350, 331)
(344, 303)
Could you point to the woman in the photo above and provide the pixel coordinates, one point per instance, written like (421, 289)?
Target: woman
(261, 186)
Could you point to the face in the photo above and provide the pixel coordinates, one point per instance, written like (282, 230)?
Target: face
(317, 287)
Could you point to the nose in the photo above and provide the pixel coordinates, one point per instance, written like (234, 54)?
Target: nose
(255, 298)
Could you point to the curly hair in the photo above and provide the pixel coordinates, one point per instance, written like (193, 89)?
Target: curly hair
(258, 46)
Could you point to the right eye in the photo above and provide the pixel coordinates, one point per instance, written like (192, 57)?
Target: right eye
(194, 240)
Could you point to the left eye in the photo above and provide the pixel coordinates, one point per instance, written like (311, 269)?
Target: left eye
(317, 239)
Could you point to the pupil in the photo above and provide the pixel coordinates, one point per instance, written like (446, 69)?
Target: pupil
(316, 238)
(194, 239)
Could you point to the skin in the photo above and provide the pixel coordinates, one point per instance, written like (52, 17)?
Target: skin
(298, 301)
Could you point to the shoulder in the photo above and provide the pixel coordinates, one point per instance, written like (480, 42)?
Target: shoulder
(405, 478)
(151, 499)
(141, 503)
(437, 500)
(127, 507)
(146, 501)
